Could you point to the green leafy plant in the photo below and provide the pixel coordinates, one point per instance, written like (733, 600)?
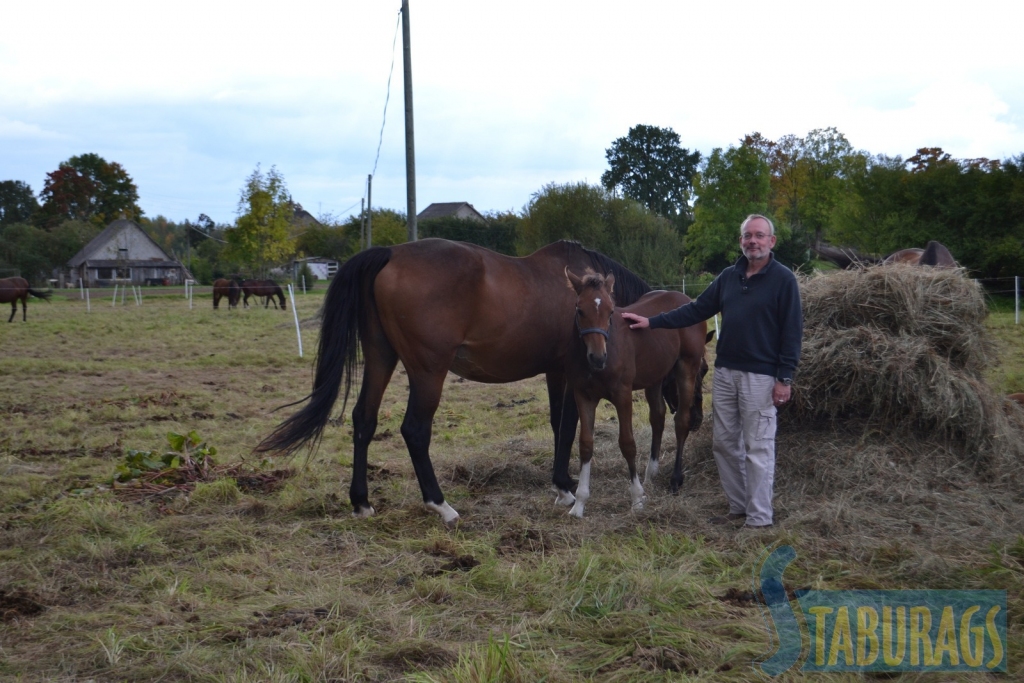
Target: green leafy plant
(188, 453)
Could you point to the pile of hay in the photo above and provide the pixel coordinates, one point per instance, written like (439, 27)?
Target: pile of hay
(903, 349)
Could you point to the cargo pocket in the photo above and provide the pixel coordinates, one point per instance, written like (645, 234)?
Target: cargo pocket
(766, 424)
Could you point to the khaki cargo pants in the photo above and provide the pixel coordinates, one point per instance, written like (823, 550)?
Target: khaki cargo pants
(744, 441)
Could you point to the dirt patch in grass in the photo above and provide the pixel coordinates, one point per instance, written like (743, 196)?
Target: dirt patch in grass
(19, 603)
(270, 624)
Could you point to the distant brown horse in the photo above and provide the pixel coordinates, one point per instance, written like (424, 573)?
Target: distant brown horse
(610, 361)
(440, 307)
(934, 254)
(226, 288)
(14, 288)
(263, 288)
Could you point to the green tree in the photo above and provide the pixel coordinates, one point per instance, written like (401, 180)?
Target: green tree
(731, 185)
(261, 237)
(497, 232)
(621, 228)
(36, 252)
(17, 203)
(89, 188)
(651, 167)
(828, 157)
(330, 238)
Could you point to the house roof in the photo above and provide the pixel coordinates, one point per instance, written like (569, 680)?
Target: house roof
(116, 263)
(109, 233)
(445, 209)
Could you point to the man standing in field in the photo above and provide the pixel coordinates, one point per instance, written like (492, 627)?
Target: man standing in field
(757, 354)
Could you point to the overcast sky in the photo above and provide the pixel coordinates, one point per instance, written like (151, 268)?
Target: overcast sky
(190, 96)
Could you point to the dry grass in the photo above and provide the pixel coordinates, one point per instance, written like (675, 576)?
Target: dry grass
(230, 584)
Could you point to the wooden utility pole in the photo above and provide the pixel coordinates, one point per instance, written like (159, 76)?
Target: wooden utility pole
(410, 145)
(369, 211)
(362, 223)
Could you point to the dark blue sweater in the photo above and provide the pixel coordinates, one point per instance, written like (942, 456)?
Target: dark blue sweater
(762, 322)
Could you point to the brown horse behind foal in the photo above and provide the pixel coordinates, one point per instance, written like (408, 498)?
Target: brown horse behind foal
(440, 307)
(14, 288)
(263, 288)
(934, 254)
(610, 361)
(226, 288)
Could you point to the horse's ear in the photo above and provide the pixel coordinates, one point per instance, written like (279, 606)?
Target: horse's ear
(609, 283)
(574, 282)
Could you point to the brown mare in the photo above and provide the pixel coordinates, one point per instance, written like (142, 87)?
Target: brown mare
(610, 361)
(934, 254)
(14, 288)
(440, 307)
(226, 288)
(263, 288)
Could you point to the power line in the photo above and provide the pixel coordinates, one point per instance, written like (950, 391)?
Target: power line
(387, 98)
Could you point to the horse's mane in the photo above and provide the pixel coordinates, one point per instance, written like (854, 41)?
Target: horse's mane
(628, 285)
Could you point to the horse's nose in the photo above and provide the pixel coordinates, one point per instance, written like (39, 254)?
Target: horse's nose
(597, 363)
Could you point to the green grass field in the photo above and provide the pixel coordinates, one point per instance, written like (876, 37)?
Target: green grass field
(258, 572)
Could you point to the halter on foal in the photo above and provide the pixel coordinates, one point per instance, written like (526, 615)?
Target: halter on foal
(610, 361)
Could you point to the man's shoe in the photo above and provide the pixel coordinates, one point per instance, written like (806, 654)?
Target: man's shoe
(755, 527)
(730, 518)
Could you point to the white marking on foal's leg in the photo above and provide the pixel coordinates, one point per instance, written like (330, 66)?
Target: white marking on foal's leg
(448, 514)
(364, 512)
(582, 491)
(636, 493)
(563, 497)
(652, 471)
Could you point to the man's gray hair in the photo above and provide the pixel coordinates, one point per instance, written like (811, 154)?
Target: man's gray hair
(771, 226)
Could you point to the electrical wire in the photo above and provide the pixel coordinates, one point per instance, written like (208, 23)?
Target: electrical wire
(387, 98)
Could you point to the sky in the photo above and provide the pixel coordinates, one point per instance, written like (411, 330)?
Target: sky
(189, 97)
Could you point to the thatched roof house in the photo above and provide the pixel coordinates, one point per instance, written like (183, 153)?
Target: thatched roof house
(124, 252)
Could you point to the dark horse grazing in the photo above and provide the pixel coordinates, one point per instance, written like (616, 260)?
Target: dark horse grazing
(934, 254)
(440, 306)
(263, 288)
(610, 361)
(226, 288)
(14, 288)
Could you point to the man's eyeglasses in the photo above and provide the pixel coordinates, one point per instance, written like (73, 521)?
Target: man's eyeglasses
(756, 235)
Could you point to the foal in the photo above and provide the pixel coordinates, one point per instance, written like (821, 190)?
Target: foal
(611, 361)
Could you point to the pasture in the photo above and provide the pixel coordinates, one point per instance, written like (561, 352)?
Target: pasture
(253, 569)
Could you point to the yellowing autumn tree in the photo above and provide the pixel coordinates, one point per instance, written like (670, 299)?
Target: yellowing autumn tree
(261, 236)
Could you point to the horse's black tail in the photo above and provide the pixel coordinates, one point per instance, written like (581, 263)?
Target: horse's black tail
(39, 294)
(344, 306)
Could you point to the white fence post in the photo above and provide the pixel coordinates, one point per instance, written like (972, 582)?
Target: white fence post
(1016, 299)
(113, 302)
(295, 314)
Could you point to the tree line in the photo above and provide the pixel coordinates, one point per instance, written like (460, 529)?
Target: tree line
(667, 212)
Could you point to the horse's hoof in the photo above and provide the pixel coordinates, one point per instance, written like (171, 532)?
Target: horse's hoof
(564, 498)
(448, 514)
(362, 512)
(576, 511)
(638, 506)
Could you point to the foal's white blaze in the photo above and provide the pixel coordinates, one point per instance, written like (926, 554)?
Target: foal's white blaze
(582, 492)
(448, 514)
(597, 304)
(636, 493)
